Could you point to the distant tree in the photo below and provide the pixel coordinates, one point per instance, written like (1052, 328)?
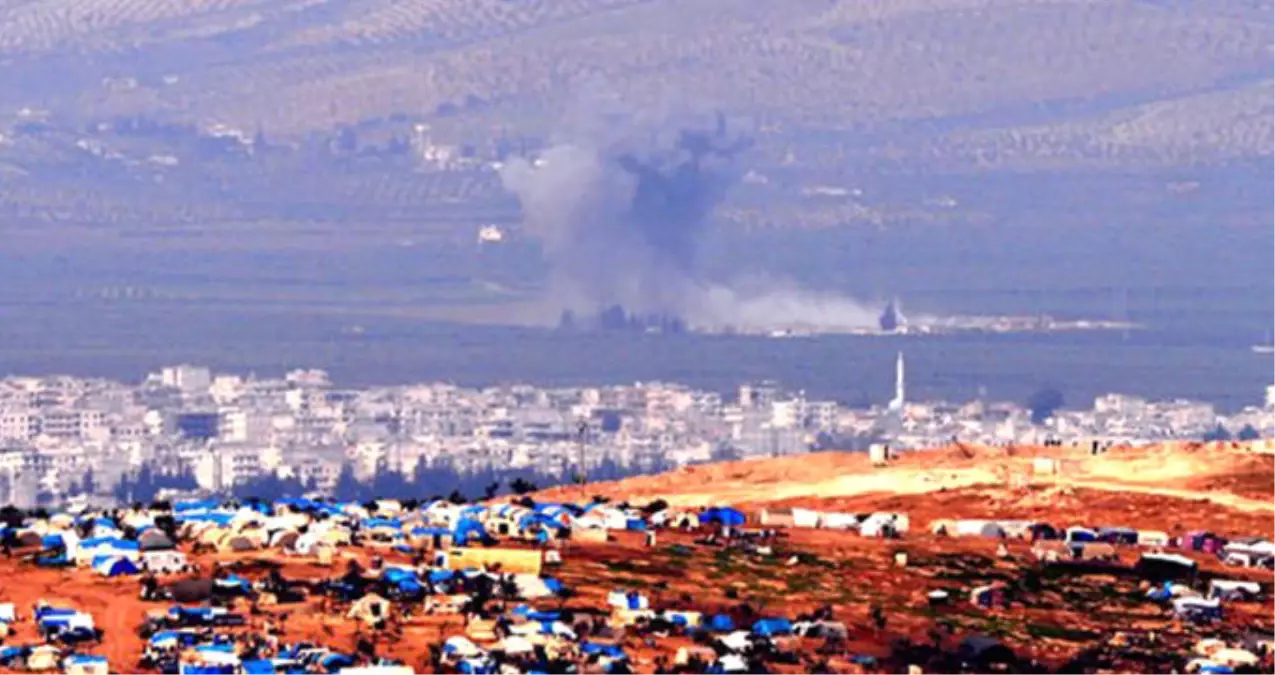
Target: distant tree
(491, 490)
(1218, 433)
(1248, 433)
(347, 486)
(522, 486)
(1043, 403)
(88, 484)
(11, 516)
(457, 498)
(725, 452)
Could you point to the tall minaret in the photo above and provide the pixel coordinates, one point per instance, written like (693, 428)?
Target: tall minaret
(897, 403)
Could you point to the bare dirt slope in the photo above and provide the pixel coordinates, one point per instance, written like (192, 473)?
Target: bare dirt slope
(1229, 486)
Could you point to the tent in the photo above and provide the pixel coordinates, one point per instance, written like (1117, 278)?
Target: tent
(1198, 608)
(1080, 534)
(1165, 566)
(721, 624)
(238, 543)
(516, 644)
(155, 540)
(257, 667)
(286, 539)
(44, 657)
(771, 627)
(981, 650)
(1234, 590)
(1118, 535)
(85, 664)
(371, 609)
(467, 529)
(627, 600)
(722, 515)
(191, 590)
(114, 566)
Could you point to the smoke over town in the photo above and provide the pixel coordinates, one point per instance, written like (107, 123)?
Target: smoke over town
(623, 212)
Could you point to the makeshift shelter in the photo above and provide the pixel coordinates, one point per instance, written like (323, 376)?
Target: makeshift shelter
(722, 515)
(1203, 541)
(1080, 534)
(371, 609)
(191, 590)
(777, 516)
(838, 521)
(981, 651)
(771, 627)
(114, 566)
(44, 657)
(1198, 608)
(989, 596)
(510, 560)
(628, 600)
(155, 540)
(1098, 551)
(883, 524)
(86, 664)
(1153, 538)
(1234, 591)
(1165, 566)
(164, 562)
(1118, 535)
(238, 543)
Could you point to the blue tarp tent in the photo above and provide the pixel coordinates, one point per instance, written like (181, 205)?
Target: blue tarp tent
(773, 626)
(370, 523)
(333, 663)
(82, 661)
(609, 651)
(205, 669)
(114, 566)
(257, 667)
(52, 541)
(467, 529)
(723, 515)
(186, 507)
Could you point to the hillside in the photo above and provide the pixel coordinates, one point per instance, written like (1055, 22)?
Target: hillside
(1015, 69)
(1217, 486)
(1068, 616)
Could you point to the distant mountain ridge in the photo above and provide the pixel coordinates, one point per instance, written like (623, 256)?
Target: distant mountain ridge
(295, 65)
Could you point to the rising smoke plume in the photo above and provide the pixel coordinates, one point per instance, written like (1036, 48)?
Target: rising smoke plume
(622, 211)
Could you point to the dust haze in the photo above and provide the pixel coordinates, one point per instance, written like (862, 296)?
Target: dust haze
(623, 204)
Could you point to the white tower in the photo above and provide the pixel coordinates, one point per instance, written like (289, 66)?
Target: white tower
(897, 403)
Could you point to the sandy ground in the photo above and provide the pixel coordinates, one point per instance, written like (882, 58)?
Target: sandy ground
(1233, 476)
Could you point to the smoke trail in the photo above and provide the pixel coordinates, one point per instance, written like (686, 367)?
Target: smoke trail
(622, 212)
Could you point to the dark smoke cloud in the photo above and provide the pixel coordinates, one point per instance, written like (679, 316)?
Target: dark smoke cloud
(623, 209)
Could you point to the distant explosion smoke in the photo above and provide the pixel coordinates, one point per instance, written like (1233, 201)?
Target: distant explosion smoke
(623, 217)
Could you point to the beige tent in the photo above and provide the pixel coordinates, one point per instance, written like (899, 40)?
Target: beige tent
(284, 539)
(213, 536)
(370, 609)
(238, 543)
(337, 537)
(44, 657)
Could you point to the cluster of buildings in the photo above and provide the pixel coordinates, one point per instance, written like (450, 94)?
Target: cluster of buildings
(62, 436)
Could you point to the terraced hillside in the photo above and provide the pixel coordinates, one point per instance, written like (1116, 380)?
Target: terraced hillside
(1169, 79)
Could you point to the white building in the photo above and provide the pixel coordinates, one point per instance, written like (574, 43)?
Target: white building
(223, 467)
(19, 424)
(189, 379)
